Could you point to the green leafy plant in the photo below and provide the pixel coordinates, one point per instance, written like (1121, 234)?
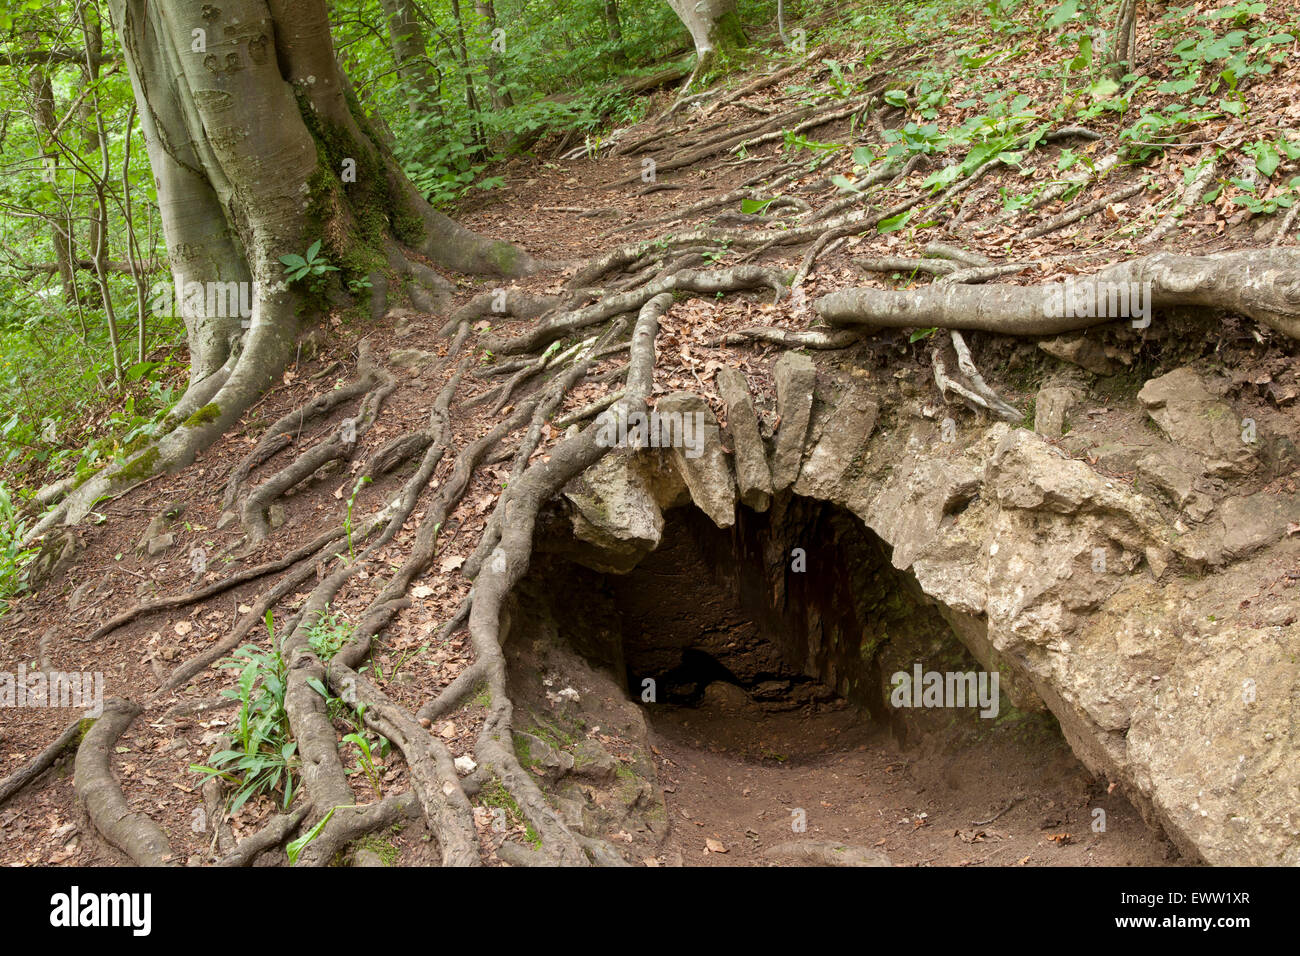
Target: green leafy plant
(347, 521)
(365, 761)
(294, 848)
(327, 636)
(311, 266)
(14, 557)
(264, 758)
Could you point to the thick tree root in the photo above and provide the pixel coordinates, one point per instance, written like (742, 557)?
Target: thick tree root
(706, 282)
(351, 823)
(520, 507)
(271, 835)
(337, 448)
(433, 775)
(1263, 284)
(135, 834)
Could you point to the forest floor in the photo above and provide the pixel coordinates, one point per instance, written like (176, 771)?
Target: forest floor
(872, 794)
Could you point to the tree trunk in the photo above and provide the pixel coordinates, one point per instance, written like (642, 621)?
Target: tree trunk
(1124, 38)
(501, 98)
(471, 94)
(614, 30)
(714, 26)
(43, 114)
(257, 151)
(411, 51)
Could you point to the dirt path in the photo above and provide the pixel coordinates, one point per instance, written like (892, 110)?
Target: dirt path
(736, 777)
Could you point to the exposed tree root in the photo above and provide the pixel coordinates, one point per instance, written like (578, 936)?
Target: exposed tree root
(1188, 199)
(353, 822)
(520, 507)
(1263, 284)
(273, 834)
(217, 587)
(281, 434)
(337, 448)
(807, 339)
(135, 834)
(974, 391)
(1084, 211)
(433, 776)
(710, 282)
(41, 762)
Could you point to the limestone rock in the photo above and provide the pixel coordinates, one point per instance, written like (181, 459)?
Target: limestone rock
(1253, 522)
(1052, 409)
(615, 512)
(411, 358)
(1082, 351)
(795, 377)
(752, 475)
(1172, 470)
(843, 445)
(1194, 418)
(707, 475)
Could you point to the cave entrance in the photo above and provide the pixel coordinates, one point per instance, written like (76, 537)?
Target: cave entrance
(762, 657)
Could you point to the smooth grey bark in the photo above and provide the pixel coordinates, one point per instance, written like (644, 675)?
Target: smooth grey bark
(714, 25)
(407, 38)
(1263, 284)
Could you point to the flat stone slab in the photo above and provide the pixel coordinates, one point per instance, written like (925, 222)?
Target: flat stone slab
(752, 475)
(843, 442)
(795, 377)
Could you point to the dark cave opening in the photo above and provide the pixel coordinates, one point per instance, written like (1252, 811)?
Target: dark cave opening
(757, 663)
(798, 606)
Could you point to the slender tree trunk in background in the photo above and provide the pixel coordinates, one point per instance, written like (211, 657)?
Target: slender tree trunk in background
(43, 114)
(501, 98)
(411, 51)
(1124, 38)
(614, 30)
(97, 143)
(462, 54)
(715, 28)
(257, 151)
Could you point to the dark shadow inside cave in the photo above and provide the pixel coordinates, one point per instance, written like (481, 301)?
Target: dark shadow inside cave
(761, 659)
(799, 606)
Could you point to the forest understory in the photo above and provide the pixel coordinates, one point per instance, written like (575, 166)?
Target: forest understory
(367, 523)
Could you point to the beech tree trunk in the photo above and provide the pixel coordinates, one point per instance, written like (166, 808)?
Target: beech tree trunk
(714, 26)
(258, 150)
